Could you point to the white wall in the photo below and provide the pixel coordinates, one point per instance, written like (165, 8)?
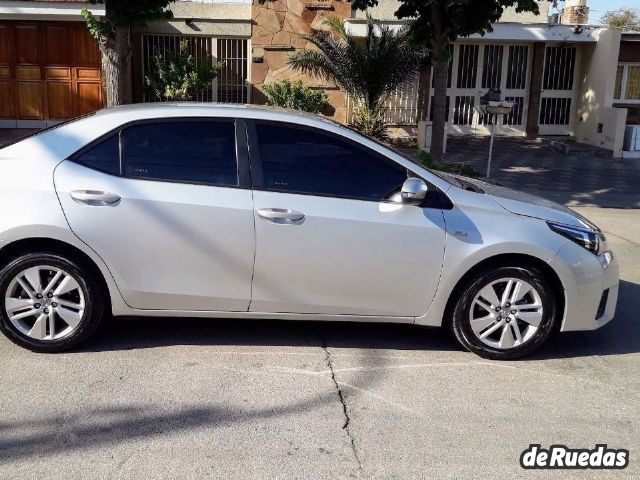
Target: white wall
(595, 94)
(220, 19)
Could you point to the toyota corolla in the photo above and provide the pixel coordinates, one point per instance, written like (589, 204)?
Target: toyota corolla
(191, 210)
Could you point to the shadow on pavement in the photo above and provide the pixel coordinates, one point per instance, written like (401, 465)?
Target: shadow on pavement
(108, 427)
(620, 336)
(133, 333)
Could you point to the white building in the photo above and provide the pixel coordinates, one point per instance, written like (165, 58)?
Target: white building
(557, 75)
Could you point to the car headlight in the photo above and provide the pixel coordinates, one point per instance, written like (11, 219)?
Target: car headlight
(592, 240)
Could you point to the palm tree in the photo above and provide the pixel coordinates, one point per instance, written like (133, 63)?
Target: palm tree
(369, 71)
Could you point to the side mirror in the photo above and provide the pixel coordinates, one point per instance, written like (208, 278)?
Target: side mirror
(414, 191)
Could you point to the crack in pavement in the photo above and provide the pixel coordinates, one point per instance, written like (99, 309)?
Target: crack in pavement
(345, 407)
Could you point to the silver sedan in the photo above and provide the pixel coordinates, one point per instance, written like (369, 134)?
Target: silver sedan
(191, 210)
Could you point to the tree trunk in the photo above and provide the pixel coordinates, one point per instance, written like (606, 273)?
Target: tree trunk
(116, 51)
(440, 73)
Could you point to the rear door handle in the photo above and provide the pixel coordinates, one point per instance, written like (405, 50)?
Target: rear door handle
(95, 198)
(281, 215)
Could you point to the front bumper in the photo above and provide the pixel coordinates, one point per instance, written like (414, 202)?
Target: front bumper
(584, 280)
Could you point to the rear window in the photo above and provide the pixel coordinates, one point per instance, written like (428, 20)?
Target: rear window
(104, 156)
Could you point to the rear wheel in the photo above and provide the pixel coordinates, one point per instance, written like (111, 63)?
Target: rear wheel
(49, 303)
(504, 313)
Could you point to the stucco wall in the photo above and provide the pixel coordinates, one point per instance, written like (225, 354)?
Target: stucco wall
(219, 20)
(278, 29)
(598, 123)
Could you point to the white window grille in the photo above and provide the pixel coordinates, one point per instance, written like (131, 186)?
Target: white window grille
(559, 64)
(231, 85)
(232, 79)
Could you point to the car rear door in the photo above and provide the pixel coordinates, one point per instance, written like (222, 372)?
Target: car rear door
(168, 206)
(327, 239)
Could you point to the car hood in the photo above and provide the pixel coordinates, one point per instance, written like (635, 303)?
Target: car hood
(522, 203)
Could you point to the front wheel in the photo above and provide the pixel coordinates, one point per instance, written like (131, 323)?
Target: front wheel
(48, 303)
(504, 313)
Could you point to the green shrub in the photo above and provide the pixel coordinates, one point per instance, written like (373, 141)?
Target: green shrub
(177, 76)
(295, 95)
(369, 123)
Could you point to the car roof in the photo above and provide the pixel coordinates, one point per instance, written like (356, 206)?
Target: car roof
(64, 140)
(159, 109)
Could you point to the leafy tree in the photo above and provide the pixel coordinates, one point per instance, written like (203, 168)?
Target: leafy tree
(436, 23)
(178, 76)
(113, 32)
(369, 71)
(625, 19)
(295, 95)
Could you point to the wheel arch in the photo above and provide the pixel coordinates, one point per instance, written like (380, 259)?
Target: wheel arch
(16, 248)
(509, 259)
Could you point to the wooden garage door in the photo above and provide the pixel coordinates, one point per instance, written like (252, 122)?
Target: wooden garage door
(48, 71)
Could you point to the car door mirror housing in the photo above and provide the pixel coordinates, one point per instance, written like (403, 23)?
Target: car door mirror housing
(414, 190)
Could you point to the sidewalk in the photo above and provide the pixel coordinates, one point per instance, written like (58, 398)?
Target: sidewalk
(582, 178)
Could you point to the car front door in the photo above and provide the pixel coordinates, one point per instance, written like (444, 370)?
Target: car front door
(328, 240)
(169, 208)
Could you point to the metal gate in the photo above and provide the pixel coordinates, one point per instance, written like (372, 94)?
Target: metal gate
(399, 109)
(232, 83)
(558, 96)
(475, 69)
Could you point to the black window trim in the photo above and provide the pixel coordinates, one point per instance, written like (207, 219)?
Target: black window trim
(437, 200)
(242, 158)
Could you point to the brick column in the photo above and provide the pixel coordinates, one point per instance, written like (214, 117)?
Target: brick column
(575, 15)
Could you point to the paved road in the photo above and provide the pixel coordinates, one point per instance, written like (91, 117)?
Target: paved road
(237, 399)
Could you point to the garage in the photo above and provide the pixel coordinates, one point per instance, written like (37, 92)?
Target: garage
(49, 72)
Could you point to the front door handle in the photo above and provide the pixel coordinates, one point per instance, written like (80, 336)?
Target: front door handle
(95, 198)
(281, 215)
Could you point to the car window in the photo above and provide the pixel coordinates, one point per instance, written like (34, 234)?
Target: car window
(104, 156)
(302, 160)
(187, 151)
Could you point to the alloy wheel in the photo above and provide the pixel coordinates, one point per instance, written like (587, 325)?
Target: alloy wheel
(44, 303)
(506, 313)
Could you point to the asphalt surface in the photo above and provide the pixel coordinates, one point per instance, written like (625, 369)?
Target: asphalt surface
(186, 399)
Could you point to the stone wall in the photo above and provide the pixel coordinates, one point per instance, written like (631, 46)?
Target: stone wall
(278, 29)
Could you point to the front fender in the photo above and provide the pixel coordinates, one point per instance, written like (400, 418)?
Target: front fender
(478, 234)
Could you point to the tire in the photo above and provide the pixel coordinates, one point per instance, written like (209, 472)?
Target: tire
(489, 325)
(77, 303)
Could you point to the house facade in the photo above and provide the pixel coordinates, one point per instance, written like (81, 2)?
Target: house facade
(50, 67)
(627, 91)
(557, 75)
(216, 30)
(627, 79)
